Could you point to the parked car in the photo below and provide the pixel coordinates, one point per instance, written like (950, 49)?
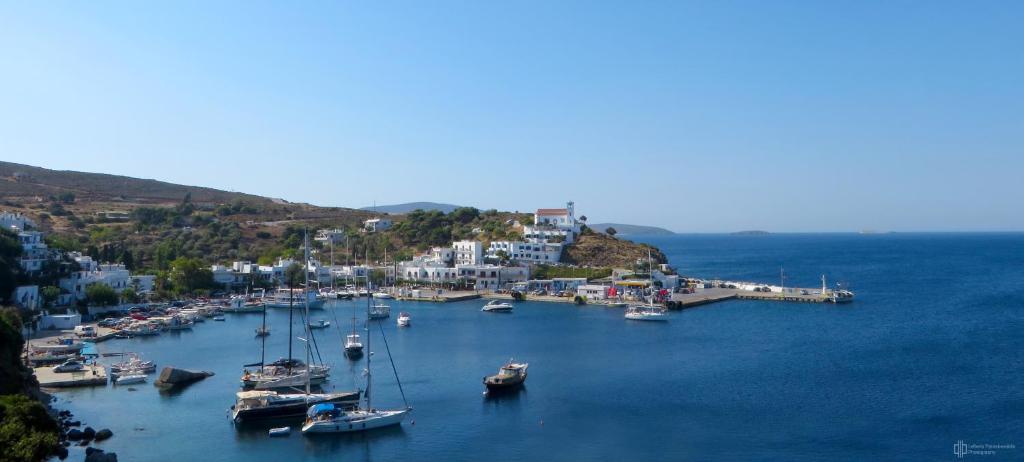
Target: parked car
(70, 365)
(109, 322)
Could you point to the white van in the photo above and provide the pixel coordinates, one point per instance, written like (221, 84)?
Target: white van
(85, 331)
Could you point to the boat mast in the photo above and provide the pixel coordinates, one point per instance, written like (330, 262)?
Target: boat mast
(305, 296)
(369, 352)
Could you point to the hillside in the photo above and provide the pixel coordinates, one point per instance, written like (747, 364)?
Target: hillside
(156, 222)
(398, 209)
(625, 230)
(599, 249)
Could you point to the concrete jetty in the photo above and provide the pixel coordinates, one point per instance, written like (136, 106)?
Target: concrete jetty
(91, 376)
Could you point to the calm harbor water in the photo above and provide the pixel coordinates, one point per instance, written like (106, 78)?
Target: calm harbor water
(929, 354)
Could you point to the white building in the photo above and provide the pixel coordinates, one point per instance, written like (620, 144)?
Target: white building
(468, 252)
(549, 223)
(27, 297)
(527, 252)
(116, 276)
(593, 291)
(330, 236)
(15, 222)
(376, 224)
(493, 277)
(34, 251)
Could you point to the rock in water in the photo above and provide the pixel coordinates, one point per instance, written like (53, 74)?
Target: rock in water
(74, 434)
(174, 376)
(104, 434)
(89, 433)
(97, 455)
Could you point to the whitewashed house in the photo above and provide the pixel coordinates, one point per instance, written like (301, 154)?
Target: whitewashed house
(468, 252)
(376, 224)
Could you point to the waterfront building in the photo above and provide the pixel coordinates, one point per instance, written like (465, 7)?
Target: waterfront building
(493, 277)
(376, 224)
(593, 291)
(468, 252)
(527, 252)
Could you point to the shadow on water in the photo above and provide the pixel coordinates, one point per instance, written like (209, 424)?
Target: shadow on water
(510, 395)
(332, 442)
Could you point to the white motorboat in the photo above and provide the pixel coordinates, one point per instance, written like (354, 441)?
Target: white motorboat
(497, 306)
(218, 317)
(404, 320)
(131, 378)
(133, 363)
(320, 324)
(382, 295)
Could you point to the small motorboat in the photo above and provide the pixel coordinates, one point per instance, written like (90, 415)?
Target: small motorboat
(497, 306)
(616, 304)
(320, 324)
(511, 375)
(134, 363)
(218, 317)
(130, 377)
(404, 320)
(280, 431)
(262, 331)
(380, 311)
(382, 295)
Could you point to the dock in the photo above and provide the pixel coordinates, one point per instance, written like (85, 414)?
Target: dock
(90, 376)
(441, 298)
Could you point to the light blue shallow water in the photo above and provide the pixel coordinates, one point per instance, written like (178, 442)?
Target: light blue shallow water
(928, 354)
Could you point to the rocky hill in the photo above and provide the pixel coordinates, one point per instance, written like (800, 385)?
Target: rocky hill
(148, 223)
(599, 249)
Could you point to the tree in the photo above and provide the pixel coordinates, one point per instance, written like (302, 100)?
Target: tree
(10, 265)
(130, 295)
(294, 276)
(377, 277)
(101, 295)
(611, 231)
(189, 274)
(49, 294)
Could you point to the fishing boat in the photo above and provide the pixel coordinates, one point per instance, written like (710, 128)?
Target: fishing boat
(509, 376)
(382, 295)
(263, 404)
(353, 345)
(497, 306)
(287, 298)
(404, 320)
(330, 418)
(133, 363)
(379, 311)
(320, 324)
(262, 331)
(179, 323)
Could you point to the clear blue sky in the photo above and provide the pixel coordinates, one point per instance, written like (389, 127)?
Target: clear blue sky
(711, 116)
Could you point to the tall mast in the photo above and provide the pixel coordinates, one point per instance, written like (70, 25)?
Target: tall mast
(369, 352)
(305, 296)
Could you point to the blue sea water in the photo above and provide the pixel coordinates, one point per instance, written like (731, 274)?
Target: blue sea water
(929, 354)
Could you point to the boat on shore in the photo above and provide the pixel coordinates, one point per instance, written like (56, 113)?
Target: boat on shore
(511, 375)
(497, 306)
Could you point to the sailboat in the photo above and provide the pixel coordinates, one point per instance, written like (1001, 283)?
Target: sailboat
(266, 404)
(330, 418)
(290, 372)
(649, 311)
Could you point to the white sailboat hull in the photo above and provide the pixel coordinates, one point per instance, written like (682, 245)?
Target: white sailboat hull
(356, 421)
(647, 317)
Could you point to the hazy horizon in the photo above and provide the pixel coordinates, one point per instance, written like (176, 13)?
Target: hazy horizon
(695, 117)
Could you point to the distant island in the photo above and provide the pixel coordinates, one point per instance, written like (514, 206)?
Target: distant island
(625, 230)
(399, 209)
(754, 232)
